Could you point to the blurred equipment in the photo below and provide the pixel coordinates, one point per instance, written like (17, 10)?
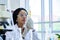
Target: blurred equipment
(4, 15)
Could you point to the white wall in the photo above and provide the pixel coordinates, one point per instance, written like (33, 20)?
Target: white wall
(2, 1)
(14, 4)
(22, 3)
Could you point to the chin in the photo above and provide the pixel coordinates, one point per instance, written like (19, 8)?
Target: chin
(23, 22)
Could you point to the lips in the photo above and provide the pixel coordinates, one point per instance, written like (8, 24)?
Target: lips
(23, 20)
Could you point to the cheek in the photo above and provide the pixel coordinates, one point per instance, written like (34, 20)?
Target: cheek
(21, 20)
(18, 20)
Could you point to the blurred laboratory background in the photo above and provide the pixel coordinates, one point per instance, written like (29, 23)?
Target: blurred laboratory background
(44, 13)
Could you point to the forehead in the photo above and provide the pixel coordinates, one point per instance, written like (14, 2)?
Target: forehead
(22, 12)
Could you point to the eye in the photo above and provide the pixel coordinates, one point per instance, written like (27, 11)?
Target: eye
(21, 15)
(25, 14)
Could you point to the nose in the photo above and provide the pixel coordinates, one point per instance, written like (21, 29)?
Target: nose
(24, 16)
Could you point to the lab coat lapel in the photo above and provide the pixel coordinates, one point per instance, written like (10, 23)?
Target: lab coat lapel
(18, 32)
(29, 35)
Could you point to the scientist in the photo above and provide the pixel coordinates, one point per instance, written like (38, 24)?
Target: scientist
(19, 18)
(23, 27)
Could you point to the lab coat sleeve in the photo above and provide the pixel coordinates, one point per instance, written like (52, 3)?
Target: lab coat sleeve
(13, 36)
(9, 36)
(35, 35)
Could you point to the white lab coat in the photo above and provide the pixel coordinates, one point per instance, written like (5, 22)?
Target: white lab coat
(16, 35)
(31, 35)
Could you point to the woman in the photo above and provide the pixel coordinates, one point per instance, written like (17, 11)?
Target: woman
(23, 26)
(19, 18)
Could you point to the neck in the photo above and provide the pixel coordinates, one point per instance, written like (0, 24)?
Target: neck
(20, 25)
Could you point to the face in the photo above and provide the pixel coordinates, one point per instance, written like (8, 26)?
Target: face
(21, 17)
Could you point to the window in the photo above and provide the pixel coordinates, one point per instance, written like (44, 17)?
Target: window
(56, 15)
(35, 7)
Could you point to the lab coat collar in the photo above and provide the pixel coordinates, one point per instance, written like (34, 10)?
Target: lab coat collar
(16, 27)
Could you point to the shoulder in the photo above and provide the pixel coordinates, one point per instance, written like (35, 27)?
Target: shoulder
(11, 28)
